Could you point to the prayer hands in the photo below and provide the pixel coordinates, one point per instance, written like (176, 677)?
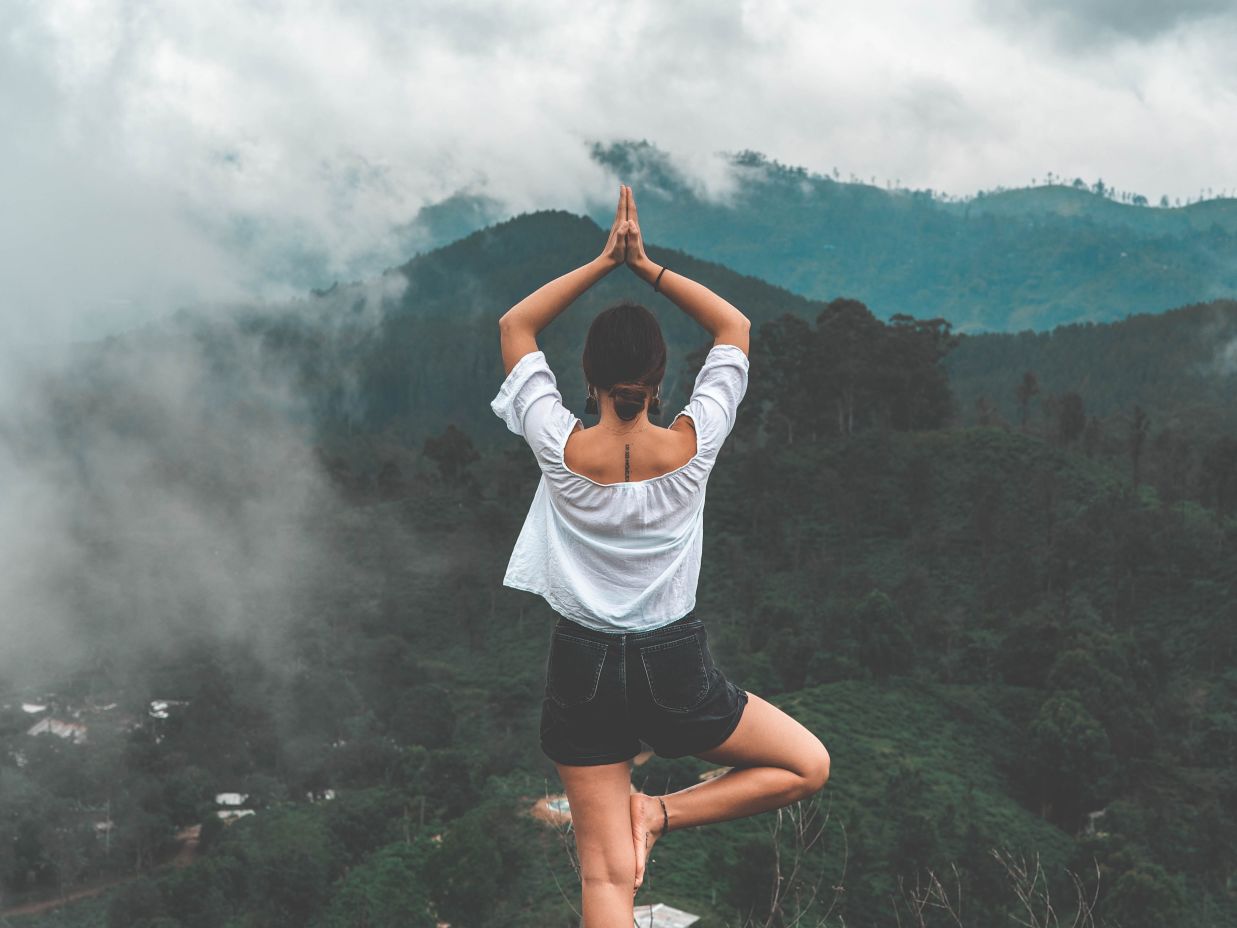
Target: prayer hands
(625, 244)
(634, 254)
(615, 252)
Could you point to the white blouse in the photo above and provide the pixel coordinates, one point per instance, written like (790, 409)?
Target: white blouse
(615, 556)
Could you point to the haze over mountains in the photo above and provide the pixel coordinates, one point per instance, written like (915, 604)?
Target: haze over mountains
(420, 347)
(1005, 261)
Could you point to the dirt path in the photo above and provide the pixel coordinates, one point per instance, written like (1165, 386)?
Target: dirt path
(186, 838)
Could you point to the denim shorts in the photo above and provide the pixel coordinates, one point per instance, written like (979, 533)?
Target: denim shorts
(607, 692)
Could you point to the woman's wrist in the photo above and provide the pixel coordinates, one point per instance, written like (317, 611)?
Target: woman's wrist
(646, 269)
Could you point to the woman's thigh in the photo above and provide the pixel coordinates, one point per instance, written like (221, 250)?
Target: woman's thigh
(599, 797)
(768, 737)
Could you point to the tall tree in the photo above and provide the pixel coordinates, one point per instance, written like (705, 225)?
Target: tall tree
(791, 382)
(1140, 424)
(848, 337)
(1071, 418)
(1219, 475)
(915, 386)
(1027, 388)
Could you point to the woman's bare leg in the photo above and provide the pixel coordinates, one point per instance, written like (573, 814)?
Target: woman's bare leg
(601, 819)
(775, 761)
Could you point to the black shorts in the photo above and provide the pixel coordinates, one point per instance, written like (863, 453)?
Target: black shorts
(606, 692)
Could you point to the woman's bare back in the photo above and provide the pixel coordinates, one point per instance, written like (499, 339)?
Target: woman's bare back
(605, 457)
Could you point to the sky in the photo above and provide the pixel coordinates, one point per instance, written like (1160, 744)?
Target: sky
(159, 155)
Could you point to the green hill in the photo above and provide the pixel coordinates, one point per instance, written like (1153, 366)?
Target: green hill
(1070, 202)
(1008, 260)
(419, 349)
(1007, 637)
(1179, 366)
(987, 668)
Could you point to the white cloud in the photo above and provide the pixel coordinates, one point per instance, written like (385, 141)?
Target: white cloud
(171, 153)
(166, 487)
(144, 504)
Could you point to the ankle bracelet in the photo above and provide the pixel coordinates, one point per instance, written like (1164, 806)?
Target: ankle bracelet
(665, 817)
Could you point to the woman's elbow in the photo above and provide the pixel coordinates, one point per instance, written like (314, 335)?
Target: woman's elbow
(736, 322)
(739, 323)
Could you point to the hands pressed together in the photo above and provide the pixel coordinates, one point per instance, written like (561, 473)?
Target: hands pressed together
(625, 244)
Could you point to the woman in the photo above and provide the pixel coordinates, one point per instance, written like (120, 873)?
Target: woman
(613, 541)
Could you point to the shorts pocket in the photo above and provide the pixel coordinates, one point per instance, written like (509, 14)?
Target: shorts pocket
(573, 669)
(677, 672)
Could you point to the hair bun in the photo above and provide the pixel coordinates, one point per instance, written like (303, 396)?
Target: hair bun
(628, 400)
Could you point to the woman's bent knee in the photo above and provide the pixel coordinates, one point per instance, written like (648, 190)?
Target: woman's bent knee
(816, 772)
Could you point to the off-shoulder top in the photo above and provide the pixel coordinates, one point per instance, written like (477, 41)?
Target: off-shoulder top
(615, 556)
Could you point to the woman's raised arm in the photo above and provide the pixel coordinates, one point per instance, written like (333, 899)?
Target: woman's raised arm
(719, 318)
(518, 326)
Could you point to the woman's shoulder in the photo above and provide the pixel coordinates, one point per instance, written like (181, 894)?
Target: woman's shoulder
(587, 451)
(684, 430)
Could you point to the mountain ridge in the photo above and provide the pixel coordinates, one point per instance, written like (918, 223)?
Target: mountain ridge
(1004, 260)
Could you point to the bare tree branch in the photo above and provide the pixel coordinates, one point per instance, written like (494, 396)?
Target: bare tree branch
(566, 836)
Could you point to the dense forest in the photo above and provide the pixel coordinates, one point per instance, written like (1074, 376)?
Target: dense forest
(1177, 366)
(1004, 600)
(1062, 250)
(415, 351)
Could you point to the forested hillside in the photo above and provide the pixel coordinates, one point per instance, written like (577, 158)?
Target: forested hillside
(1180, 367)
(1014, 637)
(417, 349)
(1061, 251)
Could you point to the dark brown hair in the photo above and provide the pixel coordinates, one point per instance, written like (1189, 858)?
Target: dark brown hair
(625, 354)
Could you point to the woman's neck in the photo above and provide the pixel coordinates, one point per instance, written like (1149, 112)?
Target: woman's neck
(611, 422)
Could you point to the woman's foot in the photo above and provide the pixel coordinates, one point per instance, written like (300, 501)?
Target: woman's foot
(647, 825)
